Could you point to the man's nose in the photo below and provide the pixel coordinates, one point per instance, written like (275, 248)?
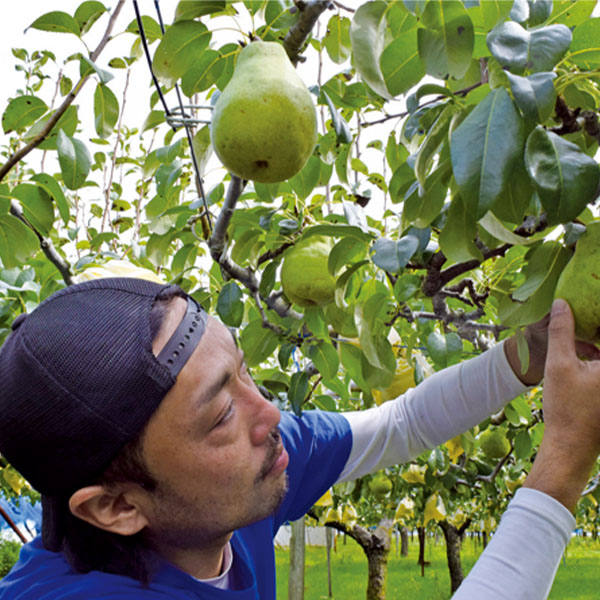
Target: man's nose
(266, 417)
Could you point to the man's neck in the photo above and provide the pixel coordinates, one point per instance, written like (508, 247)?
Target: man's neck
(201, 563)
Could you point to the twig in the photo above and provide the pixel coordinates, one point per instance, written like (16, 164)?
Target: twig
(115, 150)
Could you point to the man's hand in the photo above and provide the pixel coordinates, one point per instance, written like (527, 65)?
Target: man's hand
(571, 404)
(536, 336)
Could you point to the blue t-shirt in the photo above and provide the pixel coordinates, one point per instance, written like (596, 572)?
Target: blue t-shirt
(318, 445)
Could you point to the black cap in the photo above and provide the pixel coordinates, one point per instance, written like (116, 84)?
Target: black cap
(79, 379)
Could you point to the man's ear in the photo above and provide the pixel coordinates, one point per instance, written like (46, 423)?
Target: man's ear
(114, 511)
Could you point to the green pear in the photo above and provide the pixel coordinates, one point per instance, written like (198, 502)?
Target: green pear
(264, 124)
(579, 284)
(305, 276)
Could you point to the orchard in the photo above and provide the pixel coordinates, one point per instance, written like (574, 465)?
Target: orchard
(366, 192)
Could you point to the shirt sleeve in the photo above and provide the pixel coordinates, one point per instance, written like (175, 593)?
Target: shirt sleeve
(522, 558)
(448, 403)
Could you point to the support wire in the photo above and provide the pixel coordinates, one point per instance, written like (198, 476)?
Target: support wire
(178, 116)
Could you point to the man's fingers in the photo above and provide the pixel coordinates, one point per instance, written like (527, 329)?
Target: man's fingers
(561, 334)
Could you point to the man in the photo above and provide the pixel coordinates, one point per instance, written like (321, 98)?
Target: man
(166, 474)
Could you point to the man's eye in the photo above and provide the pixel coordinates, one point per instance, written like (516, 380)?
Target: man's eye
(227, 415)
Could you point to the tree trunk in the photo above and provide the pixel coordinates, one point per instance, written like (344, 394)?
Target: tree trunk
(403, 542)
(296, 575)
(484, 538)
(452, 537)
(377, 552)
(329, 542)
(421, 560)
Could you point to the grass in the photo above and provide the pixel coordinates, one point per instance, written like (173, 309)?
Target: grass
(577, 577)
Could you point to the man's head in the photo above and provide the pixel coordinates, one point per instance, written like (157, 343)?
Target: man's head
(86, 377)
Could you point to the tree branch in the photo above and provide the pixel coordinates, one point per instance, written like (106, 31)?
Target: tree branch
(38, 139)
(310, 11)
(46, 245)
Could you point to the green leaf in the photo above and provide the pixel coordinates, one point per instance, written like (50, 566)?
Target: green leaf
(66, 85)
(88, 13)
(444, 349)
(367, 35)
(57, 21)
(400, 64)
(571, 12)
(522, 443)
(305, 182)
(423, 206)
(53, 189)
(565, 178)
(202, 148)
(37, 206)
(258, 342)
(522, 351)
(325, 358)
(412, 102)
(484, 149)
(230, 306)
(406, 287)
(154, 119)
(178, 50)
(434, 138)
(68, 123)
(87, 67)
(341, 128)
(585, 48)
(297, 391)
(494, 227)
(539, 12)
(446, 43)
(152, 29)
(337, 39)
(493, 12)
(457, 238)
(534, 95)
(106, 110)
(21, 112)
(542, 268)
(17, 242)
(537, 50)
(391, 256)
(190, 9)
(206, 70)
(74, 159)
(278, 14)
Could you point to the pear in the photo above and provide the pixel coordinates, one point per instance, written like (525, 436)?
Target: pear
(264, 124)
(305, 276)
(579, 284)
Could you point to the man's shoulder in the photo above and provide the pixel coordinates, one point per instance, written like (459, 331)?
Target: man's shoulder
(43, 575)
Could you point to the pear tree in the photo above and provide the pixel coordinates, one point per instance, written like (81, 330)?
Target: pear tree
(452, 171)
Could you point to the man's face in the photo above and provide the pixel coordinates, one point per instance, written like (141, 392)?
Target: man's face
(212, 445)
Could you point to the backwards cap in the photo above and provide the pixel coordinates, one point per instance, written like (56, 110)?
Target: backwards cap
(79, 379)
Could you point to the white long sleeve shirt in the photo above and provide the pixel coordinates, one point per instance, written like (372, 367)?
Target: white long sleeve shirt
(522, 558)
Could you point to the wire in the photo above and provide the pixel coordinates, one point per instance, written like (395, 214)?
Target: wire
(171, 119)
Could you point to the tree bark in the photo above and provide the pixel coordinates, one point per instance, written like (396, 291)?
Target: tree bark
(329, 542)
(296, 575)
(421, 560)
(377, 552)
(403, 541)
(452, 536)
